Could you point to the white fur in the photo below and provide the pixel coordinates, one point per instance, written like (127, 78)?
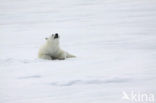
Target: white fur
(51, 50)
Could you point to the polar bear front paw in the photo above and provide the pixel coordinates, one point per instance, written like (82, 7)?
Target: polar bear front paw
(45, 57)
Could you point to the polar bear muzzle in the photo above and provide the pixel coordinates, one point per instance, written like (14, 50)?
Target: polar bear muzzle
(56, 36)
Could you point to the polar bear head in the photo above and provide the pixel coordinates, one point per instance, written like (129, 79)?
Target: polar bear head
(53, 39)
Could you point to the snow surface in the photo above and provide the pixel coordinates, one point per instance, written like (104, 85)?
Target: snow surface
(114, 41)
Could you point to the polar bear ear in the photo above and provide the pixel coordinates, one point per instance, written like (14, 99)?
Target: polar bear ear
(46, 38)
(52, 35)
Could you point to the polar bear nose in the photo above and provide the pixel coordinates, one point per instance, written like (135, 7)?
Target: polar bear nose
(56, 36)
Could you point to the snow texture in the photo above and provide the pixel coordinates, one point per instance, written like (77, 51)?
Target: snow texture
(114, 41)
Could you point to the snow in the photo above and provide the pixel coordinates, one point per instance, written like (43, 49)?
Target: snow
(114, 41)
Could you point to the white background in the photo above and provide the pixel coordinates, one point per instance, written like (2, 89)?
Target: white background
(114, 41)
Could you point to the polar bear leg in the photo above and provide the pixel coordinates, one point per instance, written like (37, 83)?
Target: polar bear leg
(62, 56)
(69, 55)
(46, 57)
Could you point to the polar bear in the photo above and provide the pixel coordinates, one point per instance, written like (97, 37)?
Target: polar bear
(51, 49)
